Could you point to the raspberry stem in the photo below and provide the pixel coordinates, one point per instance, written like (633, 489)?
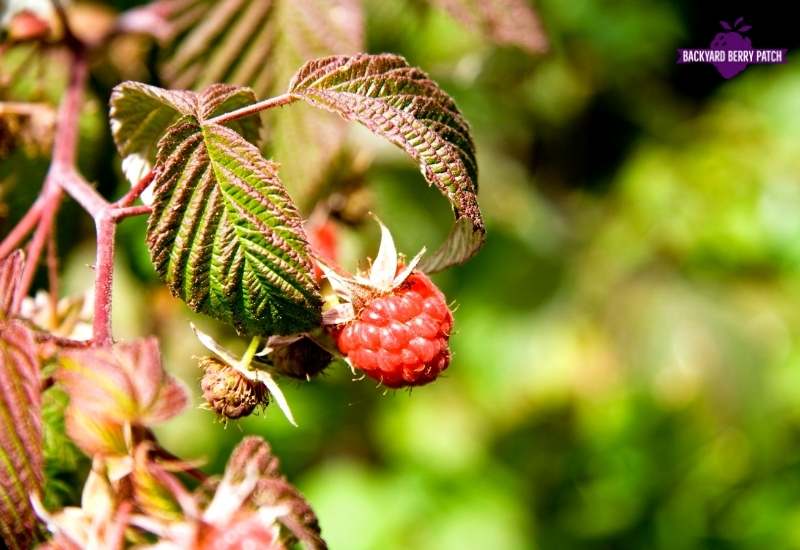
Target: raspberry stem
(250, 352)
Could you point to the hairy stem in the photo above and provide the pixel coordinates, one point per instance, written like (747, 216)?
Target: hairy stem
(278, 101)
(36, 246)
(64, 177)
(64, 152)
(104, 278)
(52, 271)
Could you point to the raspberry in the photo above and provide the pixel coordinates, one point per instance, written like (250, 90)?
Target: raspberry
(323, 238)
(400, 338)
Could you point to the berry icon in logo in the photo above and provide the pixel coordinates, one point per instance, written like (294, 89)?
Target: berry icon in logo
(730, 40)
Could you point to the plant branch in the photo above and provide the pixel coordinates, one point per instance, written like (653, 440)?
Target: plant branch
(72, 41)
(104, 278)
(137, 189)
(83, 193)
(277, 101)
(36, 246)
(129, 211)
(23, 227)
(52, 270)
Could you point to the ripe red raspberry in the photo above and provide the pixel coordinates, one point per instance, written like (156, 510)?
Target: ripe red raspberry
(401, 338)
(390, 322)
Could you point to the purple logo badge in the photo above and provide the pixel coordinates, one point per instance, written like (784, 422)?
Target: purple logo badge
(731, 51)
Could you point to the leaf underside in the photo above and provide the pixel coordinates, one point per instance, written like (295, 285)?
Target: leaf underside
(21, 461)
(260, 44)
(140, 115)
(226, 237)
(402, 104)
(506, 22)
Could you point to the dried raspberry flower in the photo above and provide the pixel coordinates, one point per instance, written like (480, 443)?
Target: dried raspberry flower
(229, 393)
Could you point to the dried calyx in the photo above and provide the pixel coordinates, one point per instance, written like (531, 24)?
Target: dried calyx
(235, 387)
(229, 393)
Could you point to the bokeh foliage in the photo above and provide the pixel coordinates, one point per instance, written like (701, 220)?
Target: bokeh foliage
(626, 368)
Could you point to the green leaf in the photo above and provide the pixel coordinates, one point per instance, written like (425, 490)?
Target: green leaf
(506, 22)
(226, 237)
(21, 462)
(65, 465)
(260, 44)
(141, 114)
(402, 104)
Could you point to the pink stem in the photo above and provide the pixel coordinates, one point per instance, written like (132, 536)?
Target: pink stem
(85, 195)
(25, 226)
(52, 270)
(34, 252)
(104, 278)
(130, 211)
(136, 190)
(278, 101)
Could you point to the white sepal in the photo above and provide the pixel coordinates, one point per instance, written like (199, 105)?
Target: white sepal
(276, 341)
(384, 268)
(266, 378)
(403, 275)
(338, 314)
(212, 345)
(341, 284)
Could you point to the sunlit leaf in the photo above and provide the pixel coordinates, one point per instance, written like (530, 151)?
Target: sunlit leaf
(260, 44)
(140, 115)
(402, 104)
(21, 461)
(226, 237)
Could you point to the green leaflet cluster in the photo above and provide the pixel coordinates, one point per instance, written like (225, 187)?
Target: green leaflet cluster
(402, 104)
(223, 233)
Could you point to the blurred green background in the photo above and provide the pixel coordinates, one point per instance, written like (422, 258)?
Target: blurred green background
(626, 361)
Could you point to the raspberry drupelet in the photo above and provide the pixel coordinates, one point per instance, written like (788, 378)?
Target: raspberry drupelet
(397, 327)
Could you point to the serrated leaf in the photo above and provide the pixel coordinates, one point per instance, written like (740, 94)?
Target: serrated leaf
(140, 115)
(10, 272)
(226, 237)
(21, 461)
(403, 105)
(506, 22)
(260, 43)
